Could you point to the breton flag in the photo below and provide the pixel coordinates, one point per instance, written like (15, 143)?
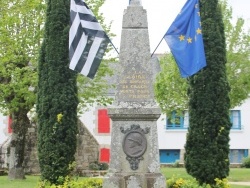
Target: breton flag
(184, 38)
(87, 40)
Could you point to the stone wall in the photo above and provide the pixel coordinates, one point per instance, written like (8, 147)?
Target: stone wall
(87, 148)
(86, 153)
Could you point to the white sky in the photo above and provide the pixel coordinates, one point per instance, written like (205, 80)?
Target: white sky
(161, 14)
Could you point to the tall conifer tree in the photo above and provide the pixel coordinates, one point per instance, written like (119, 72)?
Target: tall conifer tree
(57, 96)
(207, 146)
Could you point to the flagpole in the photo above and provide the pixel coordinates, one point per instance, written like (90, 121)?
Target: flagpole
(112, 44)
(157, 46)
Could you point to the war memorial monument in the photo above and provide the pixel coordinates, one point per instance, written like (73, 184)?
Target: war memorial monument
(134, 142)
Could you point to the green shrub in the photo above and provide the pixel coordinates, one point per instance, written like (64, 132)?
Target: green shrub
(94, 166)
(98, 166)
(74, 183)
(246, 162)
(103, 166)
(221, 183)
(177, 164)
(176, 182)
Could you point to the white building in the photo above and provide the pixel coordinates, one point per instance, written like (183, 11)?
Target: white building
(172, 136)
(4, 132)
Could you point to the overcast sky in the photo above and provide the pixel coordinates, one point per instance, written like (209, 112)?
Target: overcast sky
(161, 13)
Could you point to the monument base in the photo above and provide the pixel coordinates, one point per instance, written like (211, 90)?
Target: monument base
(136, 180)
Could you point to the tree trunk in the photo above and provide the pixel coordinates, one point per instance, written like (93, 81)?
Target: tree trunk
(20, 127)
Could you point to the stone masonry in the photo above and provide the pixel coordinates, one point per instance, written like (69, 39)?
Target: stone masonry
(134, 159)
(87, 150)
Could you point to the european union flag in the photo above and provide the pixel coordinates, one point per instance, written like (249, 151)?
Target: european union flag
(184, 38)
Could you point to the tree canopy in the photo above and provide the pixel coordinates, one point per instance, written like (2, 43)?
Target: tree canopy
(20, 38)
(21, 26)
(21, 34)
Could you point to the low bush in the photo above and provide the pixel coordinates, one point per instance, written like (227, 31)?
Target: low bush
(74, 183)
(246, 162)
(221, 183)
(98, 166)
(3, 172)
(176, 182)
(177, 164)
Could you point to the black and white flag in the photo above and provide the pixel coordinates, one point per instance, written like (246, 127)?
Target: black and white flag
(87, 39)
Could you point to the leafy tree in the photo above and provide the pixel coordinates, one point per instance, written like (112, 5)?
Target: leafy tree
(238, 56)
(19, 38)
(21, 32)
(207, 145)
(170, 89)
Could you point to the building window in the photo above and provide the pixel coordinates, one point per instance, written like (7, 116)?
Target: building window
(235, 119)
(169, 156)
(103, 121)
(177, 121)
(104, 155)
(237, 155)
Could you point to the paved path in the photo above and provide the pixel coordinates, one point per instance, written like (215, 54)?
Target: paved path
(240, 183)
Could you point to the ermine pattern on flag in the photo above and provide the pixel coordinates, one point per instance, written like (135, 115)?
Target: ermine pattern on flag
(87, 40)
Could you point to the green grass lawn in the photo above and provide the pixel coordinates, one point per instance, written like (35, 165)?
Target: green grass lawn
(239, 174)
(29, 182)
(236, 175)
(239, 186)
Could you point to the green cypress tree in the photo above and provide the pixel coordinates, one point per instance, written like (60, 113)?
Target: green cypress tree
(207, 145)
(57, 96)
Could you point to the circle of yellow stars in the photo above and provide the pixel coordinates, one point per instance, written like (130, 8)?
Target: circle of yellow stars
(198, 31)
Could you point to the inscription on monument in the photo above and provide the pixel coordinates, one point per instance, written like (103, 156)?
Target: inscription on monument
(134, 85)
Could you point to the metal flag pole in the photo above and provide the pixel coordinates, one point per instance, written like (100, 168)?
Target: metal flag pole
(113, 45)
(157, 46)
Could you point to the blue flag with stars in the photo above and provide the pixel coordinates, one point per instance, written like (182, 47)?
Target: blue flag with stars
(184, 38)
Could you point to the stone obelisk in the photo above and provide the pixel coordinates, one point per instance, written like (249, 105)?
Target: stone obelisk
(134, 143)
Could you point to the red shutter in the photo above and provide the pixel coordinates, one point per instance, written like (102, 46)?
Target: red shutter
(9, 125)
(103, 121)
(104, 155)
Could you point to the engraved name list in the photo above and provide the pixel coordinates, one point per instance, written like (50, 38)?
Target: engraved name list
(134, 86)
